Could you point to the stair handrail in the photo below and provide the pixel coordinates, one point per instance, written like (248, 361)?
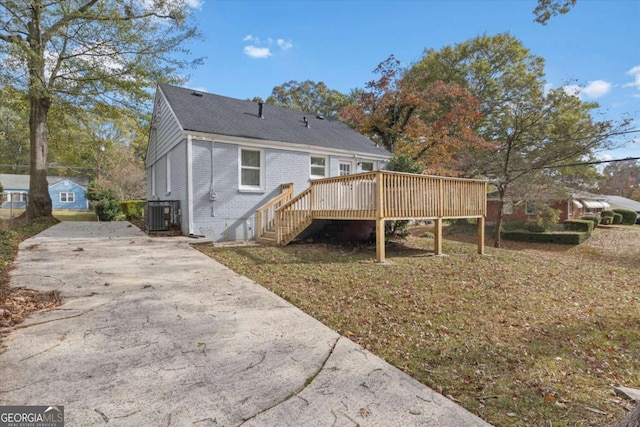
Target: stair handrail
(281, 236)
(265, 214)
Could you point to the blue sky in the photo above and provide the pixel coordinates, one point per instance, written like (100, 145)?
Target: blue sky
(251, 46)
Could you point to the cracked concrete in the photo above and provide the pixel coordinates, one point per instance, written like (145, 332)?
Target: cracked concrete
(152, 332)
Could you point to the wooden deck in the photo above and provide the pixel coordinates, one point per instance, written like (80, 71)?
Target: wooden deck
(379, 196)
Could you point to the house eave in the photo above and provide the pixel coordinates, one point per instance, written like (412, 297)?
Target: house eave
(289, 146)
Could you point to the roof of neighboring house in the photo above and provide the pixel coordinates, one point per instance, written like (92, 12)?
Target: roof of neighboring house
(622, 202)
(204, 112)
(21, 182)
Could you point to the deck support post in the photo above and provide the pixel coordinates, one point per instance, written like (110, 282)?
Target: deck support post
(437, 244)
(380, 209)
(481, 235)
(380, 252)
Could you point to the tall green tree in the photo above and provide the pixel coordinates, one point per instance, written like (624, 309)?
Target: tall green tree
(87, 53)
(314, 97)
(530, 130)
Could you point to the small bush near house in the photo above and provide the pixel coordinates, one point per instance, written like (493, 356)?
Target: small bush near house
(606, 214)
(628, 216)
(132, 209)
(559, 237)
(617, 219)
(581, 225)
(606, 220)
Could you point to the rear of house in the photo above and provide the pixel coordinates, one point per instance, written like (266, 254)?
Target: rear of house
(222, 158)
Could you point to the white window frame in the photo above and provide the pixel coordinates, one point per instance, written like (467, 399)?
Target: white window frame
(311, 166)
(66, 197)
(530, 208)
(345, 162)
(168, 173)
(249, 188)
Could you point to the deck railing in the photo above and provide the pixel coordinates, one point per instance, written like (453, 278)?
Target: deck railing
(380, 195)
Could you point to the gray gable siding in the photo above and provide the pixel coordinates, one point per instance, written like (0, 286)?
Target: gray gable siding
(165, 131)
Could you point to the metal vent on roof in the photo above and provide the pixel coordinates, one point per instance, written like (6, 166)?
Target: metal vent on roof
(320, 117)
(196, 93)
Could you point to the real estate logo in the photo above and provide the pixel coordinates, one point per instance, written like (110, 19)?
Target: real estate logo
(31, 416)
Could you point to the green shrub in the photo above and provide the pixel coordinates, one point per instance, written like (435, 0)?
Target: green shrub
(593, 218)
(559, 237)
(104, 201)
(132, 209)
(581, 225)
(107, 209)
(606, 220)
(617, 218)
(605, 214)
(628, 216)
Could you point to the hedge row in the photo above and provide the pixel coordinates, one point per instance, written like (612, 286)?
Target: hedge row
(628, 216)
(581, 225)
(559, 237)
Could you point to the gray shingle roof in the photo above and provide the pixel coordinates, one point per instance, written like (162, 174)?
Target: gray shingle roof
(217, 114)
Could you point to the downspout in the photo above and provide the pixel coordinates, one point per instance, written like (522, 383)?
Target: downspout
(189, 185)
(212, 194)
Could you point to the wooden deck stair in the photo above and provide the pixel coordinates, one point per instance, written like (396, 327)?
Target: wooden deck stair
(379, 196)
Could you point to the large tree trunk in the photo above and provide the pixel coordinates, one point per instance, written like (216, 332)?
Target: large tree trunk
(39, 199)
(632, 419)
(39, 103)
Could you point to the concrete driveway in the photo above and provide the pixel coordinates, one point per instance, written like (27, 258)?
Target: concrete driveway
(153, 333)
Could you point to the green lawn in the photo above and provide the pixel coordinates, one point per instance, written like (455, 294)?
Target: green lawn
(527, 337)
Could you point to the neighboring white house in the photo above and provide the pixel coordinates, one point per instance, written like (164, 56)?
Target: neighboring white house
(222, 158)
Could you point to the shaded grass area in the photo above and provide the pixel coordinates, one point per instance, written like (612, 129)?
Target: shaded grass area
(521, 338)
(16, 303)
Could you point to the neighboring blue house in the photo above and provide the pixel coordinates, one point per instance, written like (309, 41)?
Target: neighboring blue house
(66, 193)
(223, 158)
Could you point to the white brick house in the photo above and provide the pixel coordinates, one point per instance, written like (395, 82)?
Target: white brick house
(223, 158)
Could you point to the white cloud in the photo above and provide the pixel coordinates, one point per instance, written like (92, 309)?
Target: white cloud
(635, 72)
(261, 48)
(257, 52)
(597, 88)
(594, 89)
(284, 45)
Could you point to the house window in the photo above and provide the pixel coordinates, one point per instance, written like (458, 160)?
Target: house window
(345, 168)
(530, 208)
(251, 169)
(318, 167)
(67, 197)
(366, 166)
(507, 208)
(168, 173)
